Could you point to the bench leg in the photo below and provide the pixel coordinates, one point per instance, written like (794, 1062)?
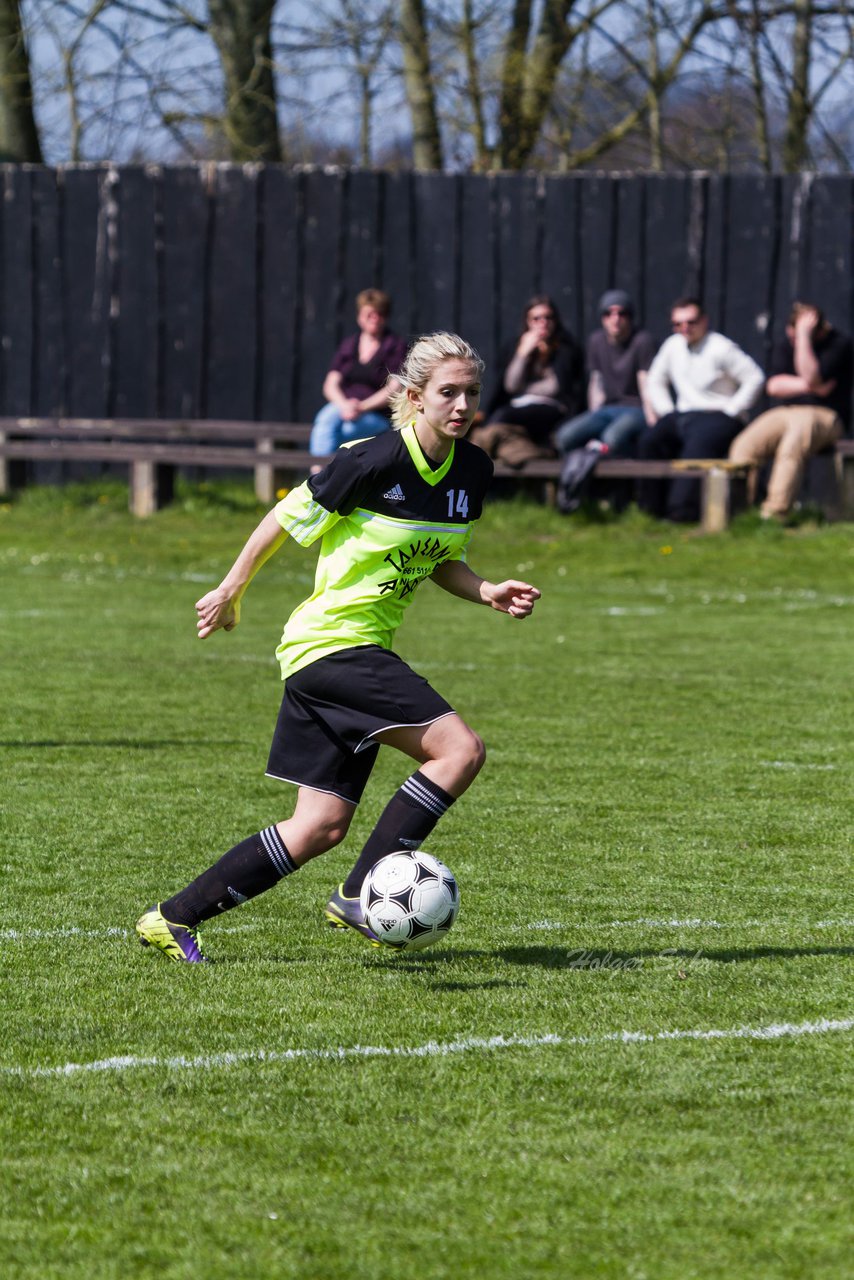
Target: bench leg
(152, 486)
(716, 500)
(13, 473)
(265, 475)
(845, 467)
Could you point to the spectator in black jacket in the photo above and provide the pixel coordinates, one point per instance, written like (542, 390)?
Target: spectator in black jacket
(810, 383)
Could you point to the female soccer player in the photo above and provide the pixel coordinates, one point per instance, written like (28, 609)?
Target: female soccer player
(390, 512)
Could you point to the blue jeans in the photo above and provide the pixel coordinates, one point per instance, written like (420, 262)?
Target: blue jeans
(330, 430)
(616, 425)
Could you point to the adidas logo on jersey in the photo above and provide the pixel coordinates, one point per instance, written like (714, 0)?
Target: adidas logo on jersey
(395, 494)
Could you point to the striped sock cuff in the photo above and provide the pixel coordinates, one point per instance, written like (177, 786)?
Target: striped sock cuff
(277, 851)
(424, 794)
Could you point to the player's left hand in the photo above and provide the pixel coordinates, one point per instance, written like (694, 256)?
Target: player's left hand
(515, 598)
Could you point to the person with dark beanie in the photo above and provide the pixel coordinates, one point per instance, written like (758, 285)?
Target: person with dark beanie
(390, 512)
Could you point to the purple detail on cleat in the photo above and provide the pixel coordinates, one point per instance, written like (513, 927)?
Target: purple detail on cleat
(189, 946)
(177, 941)
(346, 913)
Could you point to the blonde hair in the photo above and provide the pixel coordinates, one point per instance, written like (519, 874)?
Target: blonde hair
(422, 360)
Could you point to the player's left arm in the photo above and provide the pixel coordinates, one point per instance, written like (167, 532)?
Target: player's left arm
(513, 597)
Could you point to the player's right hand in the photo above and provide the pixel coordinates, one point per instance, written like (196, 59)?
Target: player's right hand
(218, 610)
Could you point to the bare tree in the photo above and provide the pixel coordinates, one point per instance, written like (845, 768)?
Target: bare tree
(19, 136)
(240, 29)
(123, 72)
(488, 84)
(801, 57)
(420, 85)
(343, 50)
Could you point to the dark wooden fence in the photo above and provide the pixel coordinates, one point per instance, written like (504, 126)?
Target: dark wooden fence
(221, 291)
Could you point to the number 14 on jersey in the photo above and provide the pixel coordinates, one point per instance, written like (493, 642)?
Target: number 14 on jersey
(458, 503)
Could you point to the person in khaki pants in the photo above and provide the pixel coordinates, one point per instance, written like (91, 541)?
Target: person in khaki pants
(811, 380)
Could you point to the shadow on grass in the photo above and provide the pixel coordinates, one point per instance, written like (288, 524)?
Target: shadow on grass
(589, 957)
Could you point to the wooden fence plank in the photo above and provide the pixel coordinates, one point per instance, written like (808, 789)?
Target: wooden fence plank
(17, 334)
(598, 239)
(397, 255)
(561, 247)
(436, 251)
(831, 259)
(136, 321)
(48, 346)
(184, 216)
(87, 286)
(478, 311)
(320, 302)
(361, 265)
(519, 250)
(751, 258)
(668, 211)
(279, 285)
(629, 270)
(792, 278)
(716, 248)
(230, 375)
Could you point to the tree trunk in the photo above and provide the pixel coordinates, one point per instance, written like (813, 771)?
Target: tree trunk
(763, 133)
(475, 93)
(654, 128)
(529, 81)
(512, 81)
(420, 90)
(795, 145)
(19, 137)
(241, 33)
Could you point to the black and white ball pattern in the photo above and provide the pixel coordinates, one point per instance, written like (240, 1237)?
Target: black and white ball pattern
(410, 899)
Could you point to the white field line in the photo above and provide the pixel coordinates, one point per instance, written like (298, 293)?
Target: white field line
(72, 931)
(653, 922)
(545, 926)
(432, 1049)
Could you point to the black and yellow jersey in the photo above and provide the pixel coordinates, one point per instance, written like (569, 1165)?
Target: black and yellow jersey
(386, 518)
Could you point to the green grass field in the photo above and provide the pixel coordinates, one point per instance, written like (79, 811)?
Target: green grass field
(628, 1060)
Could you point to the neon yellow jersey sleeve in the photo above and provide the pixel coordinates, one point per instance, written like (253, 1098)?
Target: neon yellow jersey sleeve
(302, 517)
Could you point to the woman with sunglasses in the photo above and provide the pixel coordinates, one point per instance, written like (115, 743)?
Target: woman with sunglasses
(542, 384)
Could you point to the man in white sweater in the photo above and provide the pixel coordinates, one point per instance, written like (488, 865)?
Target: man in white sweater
(701, 387)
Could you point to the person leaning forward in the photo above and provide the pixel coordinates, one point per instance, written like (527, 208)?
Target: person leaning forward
(810, 380)
(618, 359)
(701, 387)
(541, 384)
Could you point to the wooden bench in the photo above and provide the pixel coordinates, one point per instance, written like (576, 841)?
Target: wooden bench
(276, 452)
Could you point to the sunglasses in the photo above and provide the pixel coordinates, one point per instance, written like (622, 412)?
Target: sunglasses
(616, 311)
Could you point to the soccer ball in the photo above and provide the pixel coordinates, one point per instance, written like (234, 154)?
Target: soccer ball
(410, 899)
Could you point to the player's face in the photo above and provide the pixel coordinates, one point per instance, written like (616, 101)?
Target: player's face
(446, 406)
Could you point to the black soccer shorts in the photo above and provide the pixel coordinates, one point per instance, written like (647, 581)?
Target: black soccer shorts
(332, 709)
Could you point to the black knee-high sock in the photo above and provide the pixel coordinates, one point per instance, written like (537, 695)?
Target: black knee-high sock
(407, 820)
(250, 868)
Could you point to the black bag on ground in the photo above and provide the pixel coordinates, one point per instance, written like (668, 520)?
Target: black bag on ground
(576, 475)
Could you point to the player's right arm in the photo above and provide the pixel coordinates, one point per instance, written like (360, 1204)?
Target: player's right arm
(220, 608)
